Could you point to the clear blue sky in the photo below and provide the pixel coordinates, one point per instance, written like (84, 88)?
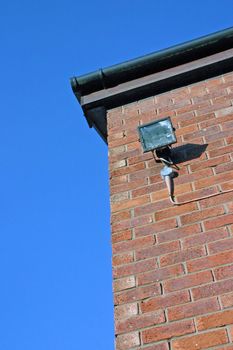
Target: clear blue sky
(55, 254)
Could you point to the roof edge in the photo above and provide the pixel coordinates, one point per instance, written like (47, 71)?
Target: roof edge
(151, 63)
(152, 74)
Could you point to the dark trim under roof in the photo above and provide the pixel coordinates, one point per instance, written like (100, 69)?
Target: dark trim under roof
(152, 74)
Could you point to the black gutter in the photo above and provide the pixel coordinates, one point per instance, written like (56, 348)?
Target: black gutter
(106, 78)
(152, 63)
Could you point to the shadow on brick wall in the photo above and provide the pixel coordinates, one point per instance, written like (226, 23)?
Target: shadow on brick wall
(187, 152)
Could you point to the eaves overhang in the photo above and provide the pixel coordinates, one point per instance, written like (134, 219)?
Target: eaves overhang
(152, 74)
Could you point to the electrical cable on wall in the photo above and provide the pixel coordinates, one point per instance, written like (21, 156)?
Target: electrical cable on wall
(167, 173)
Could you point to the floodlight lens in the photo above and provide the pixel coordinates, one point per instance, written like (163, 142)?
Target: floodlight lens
(157, 134)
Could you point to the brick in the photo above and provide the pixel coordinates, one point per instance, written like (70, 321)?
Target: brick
(118, 180)
(215, 146)
(180, 189)
(213, 180)
(227, 300)
(144, 172)
(131, 203)
(115, 136)
(210, 162)
(133, 244)
(203, 132)
(138, 293)
(220, 102)
(113, 113)
(125, 185)
(145, 117)
(120, 153)
(210, 261)
(119, 197)
(185, 255)
(202, 238)
(129, 110)
(196, 195)
(155, 228)
(201, 341)
(142, 190)
(122, 236)
(224, 111)
(228, 77)
(126, 154)
(211, 202)
(174, 211)
(230, 207)
(196, 308)
(227, 186)
(231, 332)
(178, 233)
(187, 281)
(134, 268)
(229, 140)
(119, 164)
(140, 158)
(218, 120)
(124, 215)
(224, 244)
(150, 163)
(186, 130)
(164, 301)
(214, 82)
(142, 220)
(134, 222)
(198, 176)
(160, 274)
(220, 151)
(218, 319)
(160, 346)
(164, 332)
(223, 272)
(124, 258)
(201, 215)
(140, 321)
(124, 283)
(125, 311)
(197, 119)
(118, 227)
(116, 150)
(223, 168)
(198, 89)
(127, 170)
(201, 106)
(157, 183)
(218, 135)
(157, 250)
(133, 145)
(127, 341)
(212, 289)
(123, 141)
(152, 207)
(219, 221)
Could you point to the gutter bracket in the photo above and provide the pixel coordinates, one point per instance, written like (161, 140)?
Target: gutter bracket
(97, 118)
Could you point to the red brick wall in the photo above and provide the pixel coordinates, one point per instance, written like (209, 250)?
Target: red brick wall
(173, 265)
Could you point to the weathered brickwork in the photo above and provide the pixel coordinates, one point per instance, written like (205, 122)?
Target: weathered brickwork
(173, 265)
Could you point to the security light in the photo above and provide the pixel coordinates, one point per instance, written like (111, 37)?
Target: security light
(157, 135)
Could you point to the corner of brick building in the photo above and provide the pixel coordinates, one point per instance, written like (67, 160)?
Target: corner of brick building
(173, 265)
